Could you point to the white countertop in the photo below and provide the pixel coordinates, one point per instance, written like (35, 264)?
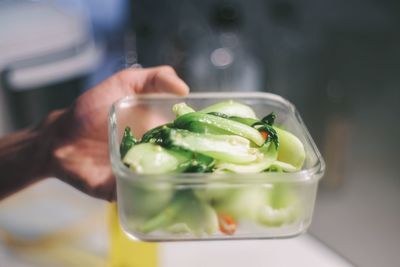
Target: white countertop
(300, 251)
(54, 211)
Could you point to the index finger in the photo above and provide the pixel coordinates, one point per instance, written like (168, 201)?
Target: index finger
(161, 79)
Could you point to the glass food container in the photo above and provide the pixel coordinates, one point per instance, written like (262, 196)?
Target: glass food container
(281, 202)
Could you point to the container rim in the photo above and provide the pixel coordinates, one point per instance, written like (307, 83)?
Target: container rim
(311, 174)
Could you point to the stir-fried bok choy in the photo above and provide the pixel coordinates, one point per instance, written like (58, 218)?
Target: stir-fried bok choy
(224, 138)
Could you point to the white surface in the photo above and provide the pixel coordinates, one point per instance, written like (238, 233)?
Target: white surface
(42, 75)
(7, 258)
(51, 210)
(50, 206)
(299, 251)
(45, 28)
(43, 45)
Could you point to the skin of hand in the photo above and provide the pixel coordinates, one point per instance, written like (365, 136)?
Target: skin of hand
(78, 136)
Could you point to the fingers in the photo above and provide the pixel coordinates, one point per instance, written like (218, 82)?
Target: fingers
(165, 79)
(156, 80)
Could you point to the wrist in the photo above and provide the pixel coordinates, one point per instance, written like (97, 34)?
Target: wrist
(24, 158)
(50, 135)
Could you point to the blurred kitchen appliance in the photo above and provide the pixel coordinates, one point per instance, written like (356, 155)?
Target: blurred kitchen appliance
(46, 52)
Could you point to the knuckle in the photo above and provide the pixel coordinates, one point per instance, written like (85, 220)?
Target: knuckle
(167, 68)
(123, 73)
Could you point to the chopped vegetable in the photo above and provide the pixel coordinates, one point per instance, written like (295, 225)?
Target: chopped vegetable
(227, 225)
(269, 119)
(128, 141)
(267, 206)
(281, 206)
(264, 127)
(181, 109)
(243, 203)
(228, 148)
(200, 122)
(151, 159)
(263, 163)
(148, 198)
(226, 137)
(230, 108)
(291, 150)
(185, 213)
(264, 135)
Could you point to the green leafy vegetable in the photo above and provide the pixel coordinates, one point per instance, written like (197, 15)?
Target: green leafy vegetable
(228, 148)
(189, 120)
(128, 141)
(230, 108)
(269, 119)
(264, 126)
(153, 135)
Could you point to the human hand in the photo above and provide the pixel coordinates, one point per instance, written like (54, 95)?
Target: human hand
(78, 135)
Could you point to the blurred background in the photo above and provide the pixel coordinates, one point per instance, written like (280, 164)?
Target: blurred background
(337, 61)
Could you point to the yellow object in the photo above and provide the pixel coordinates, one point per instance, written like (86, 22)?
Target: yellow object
(125, 252)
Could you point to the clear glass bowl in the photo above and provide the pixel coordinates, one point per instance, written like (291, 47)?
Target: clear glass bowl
(141, 197)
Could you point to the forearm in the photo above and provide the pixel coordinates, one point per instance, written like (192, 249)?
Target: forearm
(25, 157)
